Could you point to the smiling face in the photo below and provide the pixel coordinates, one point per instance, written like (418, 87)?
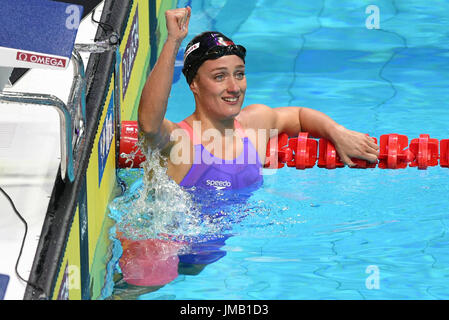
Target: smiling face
(219, 87)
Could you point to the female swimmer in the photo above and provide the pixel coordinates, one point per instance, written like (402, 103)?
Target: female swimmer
(214, 143)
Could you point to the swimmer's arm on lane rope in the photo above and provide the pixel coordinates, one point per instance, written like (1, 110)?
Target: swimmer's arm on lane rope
(154, 97)
(348, 143)
(292, 120)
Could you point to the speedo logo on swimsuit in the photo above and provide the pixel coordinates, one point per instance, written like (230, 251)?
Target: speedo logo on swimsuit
(218, 184)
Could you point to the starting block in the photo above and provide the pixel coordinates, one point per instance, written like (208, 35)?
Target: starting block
(38, 33)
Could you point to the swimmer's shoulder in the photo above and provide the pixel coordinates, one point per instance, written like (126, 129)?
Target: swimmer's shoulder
(256, 116)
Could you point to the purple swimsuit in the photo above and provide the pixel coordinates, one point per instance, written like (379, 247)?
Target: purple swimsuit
(211, 172)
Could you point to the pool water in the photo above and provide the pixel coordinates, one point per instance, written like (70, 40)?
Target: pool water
(318, 233)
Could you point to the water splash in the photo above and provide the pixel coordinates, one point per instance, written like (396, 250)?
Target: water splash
(154, 206)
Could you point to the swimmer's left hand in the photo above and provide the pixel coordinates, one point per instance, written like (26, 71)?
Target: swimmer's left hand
(352, 144)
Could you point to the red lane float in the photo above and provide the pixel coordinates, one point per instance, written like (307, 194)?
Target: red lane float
(426, 151)
(444, 156)
(394, 153)
(130, 156)
(277, 155)
(305, 151)
(330, 159)
(302, 152)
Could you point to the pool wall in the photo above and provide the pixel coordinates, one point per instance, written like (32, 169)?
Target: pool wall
(68, 264)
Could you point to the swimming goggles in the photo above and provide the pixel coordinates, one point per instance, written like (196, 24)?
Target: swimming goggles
(219, 51)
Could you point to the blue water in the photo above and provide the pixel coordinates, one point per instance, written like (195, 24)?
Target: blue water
(343, 233)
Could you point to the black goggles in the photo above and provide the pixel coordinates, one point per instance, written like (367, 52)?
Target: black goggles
(219, 51)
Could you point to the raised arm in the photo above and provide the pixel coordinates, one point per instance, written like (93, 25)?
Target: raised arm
(155, 93)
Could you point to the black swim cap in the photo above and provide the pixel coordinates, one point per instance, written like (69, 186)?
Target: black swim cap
(206, 46)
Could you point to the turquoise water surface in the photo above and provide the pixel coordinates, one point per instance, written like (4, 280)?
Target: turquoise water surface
(318, 233)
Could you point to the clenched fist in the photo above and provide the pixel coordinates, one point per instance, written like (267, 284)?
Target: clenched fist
(177, 21)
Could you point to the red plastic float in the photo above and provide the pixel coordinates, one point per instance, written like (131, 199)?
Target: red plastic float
(302, 152)
(330, 159)
(276, 154)
(425, 150)
(392, 153)
(130, 156)
(305, 151)
(444, 150)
